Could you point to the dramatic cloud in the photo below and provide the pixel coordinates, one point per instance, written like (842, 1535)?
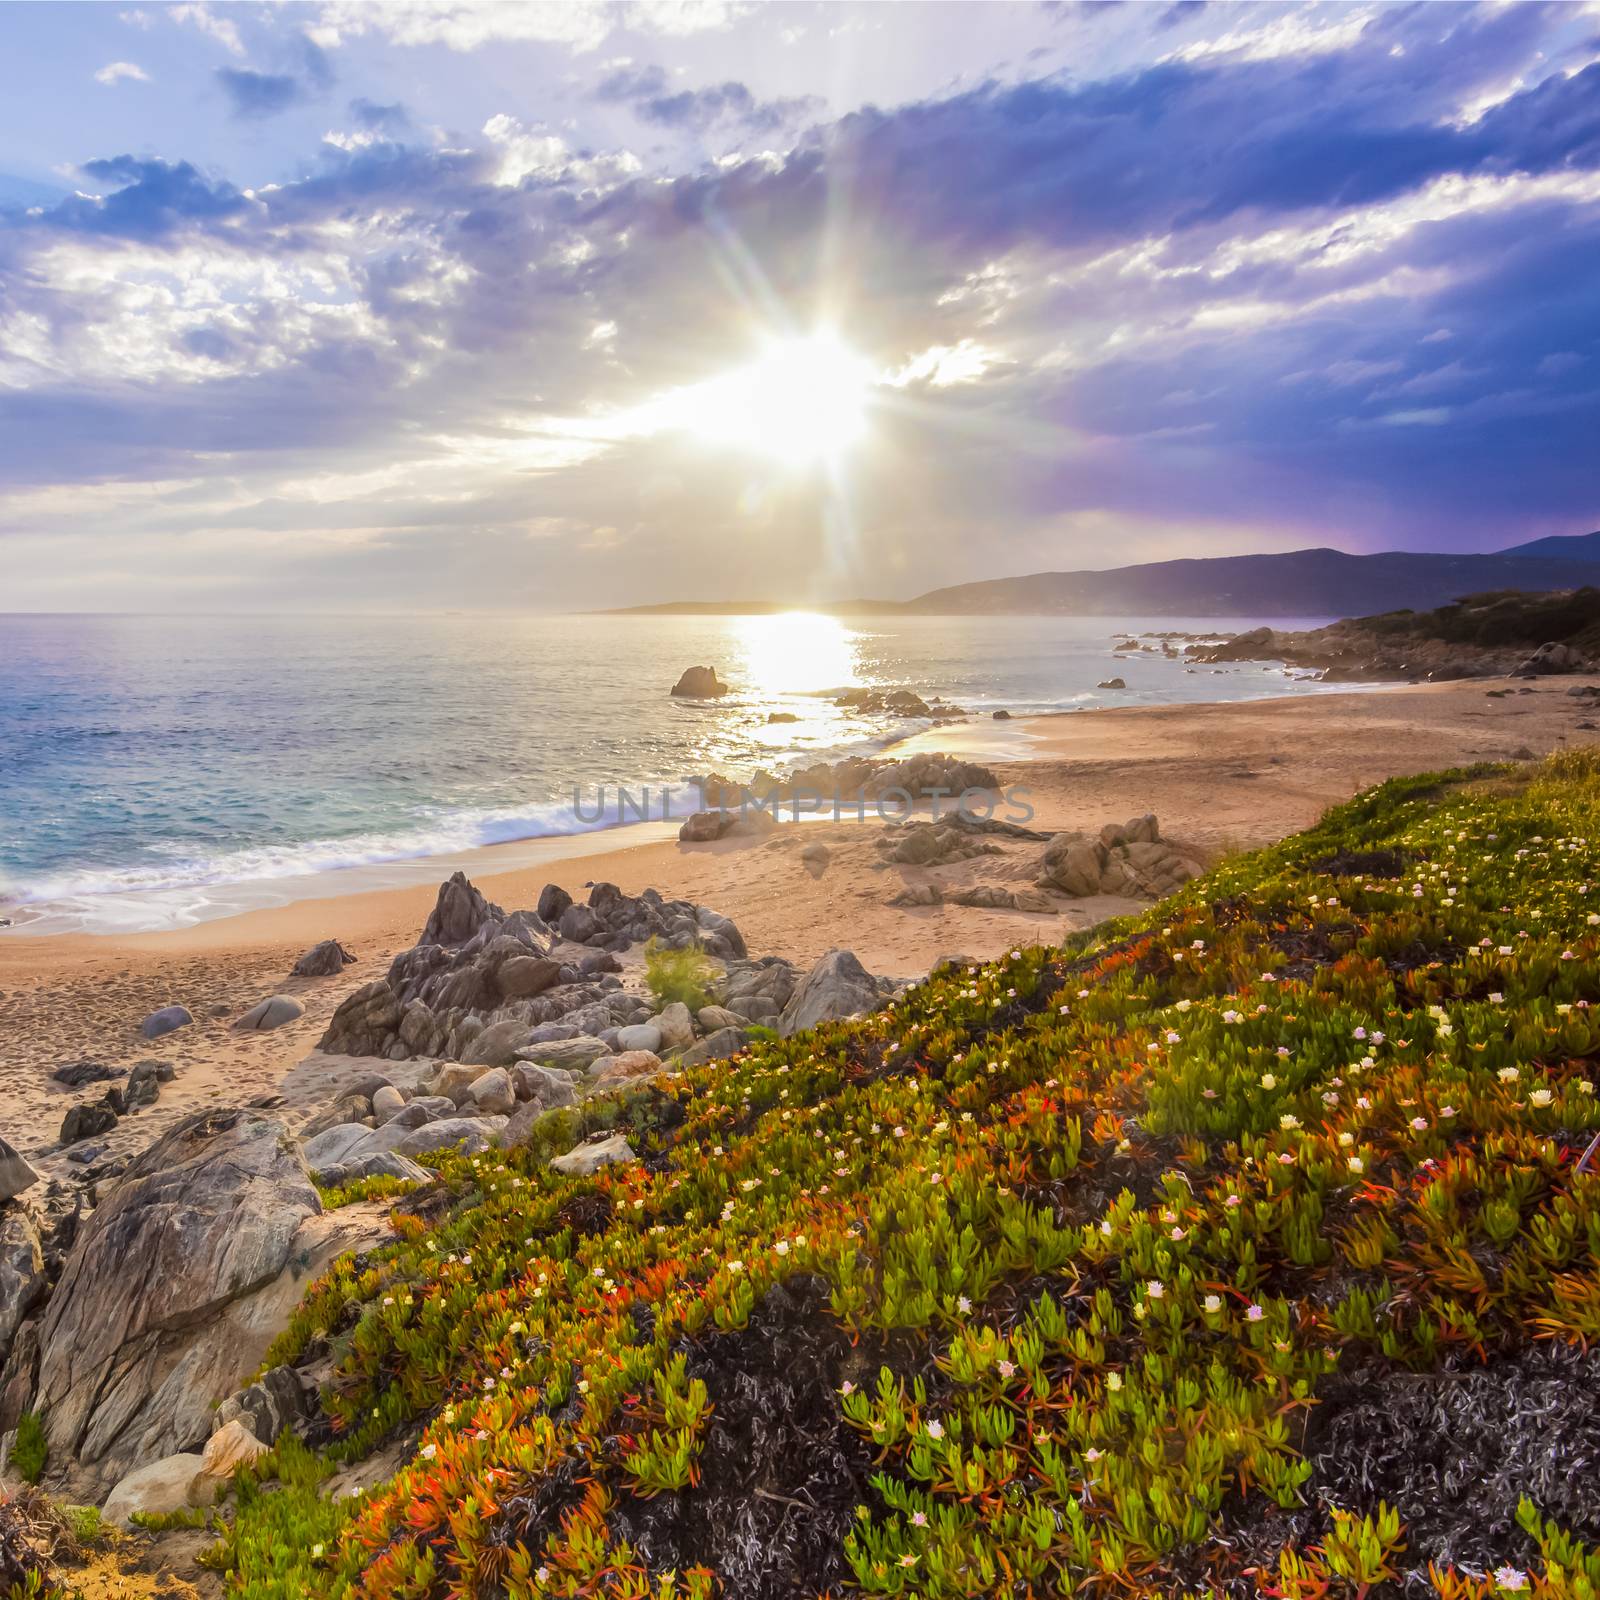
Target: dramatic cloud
(1290, 277)
(646, 90)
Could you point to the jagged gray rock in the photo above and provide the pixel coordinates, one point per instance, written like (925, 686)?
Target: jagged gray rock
(838, 986)
(325, 960)
(137, 1341)
(22, 1272)
(459, 913)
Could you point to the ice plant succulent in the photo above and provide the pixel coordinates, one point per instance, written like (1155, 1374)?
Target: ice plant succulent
(1018, 1287)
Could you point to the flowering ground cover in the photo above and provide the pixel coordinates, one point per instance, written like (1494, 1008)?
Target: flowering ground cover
(1243, 1247)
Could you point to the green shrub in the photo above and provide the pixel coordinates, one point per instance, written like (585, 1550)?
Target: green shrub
(29, 1453)
(674, 975)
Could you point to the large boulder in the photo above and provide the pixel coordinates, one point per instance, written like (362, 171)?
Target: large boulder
(706, 827)
(1073, 865)
(497, 1045)
(87, 1122)
(174, 1483)
(589, 1158)
(609, 1071)
(167, 1020)
(270, 1014)
(459, 913)
(139, 1340)
(715, 1047)
(1554, 658)
(15, 1173)
(468, 1135)
(699, 683)
(838, 986)
(544, 1088)
(492, 1092)
(522, 977)
(325, 960)
(573, 1054)
(675, 1026)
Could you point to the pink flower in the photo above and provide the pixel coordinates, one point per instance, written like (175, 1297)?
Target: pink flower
(1254, 1314)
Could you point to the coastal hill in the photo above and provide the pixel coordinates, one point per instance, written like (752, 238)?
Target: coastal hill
(1294, 583)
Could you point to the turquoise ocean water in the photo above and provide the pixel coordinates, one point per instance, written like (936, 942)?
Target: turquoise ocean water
(146, 761)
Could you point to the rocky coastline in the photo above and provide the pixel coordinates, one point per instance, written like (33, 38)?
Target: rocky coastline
(140, 1296)
(1482, 636)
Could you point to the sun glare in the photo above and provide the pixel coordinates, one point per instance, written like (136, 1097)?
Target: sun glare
(803, 401)
(797, 652)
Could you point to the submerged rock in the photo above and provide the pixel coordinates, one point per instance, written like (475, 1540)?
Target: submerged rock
(699, 683)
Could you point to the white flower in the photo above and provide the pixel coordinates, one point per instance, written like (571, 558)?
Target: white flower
(1113, 1381)
(935, 1430)
(1268, 1081)
(1156, 1289)
(429, 1451)
(1508, 1074)
(1540, 1097)
(1510, 1578)
(1356, 1164)
(1288, 1121)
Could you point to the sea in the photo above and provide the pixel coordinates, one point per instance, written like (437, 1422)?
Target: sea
(156, 771)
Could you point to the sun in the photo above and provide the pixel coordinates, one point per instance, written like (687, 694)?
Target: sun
(802, 401)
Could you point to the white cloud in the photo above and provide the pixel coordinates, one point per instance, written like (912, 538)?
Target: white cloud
(470, 24)
(532, 152)
(208, 22)
(115, 71)
(1293, 35)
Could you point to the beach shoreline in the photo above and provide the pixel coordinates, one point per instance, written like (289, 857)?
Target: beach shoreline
(1220, 777)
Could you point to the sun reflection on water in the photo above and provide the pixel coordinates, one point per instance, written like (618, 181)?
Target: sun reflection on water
(797, 652)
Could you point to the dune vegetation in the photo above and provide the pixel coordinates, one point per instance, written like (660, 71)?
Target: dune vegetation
(1245, 1247)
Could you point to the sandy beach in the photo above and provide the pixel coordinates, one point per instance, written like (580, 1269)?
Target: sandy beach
(1219, 777)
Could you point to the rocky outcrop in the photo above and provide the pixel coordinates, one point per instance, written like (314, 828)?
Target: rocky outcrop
(1550, 659)
(699, 683)
(928, 773)
(481, 983)
(459, 913)
(1481, 636)
(325, 960)
(1128, 859)
(147, 1326)
(838, 986)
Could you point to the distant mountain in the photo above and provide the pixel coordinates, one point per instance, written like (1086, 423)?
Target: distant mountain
(1296, 583)
(1562, 547)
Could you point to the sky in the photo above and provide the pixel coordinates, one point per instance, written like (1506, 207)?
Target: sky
(442, 304)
